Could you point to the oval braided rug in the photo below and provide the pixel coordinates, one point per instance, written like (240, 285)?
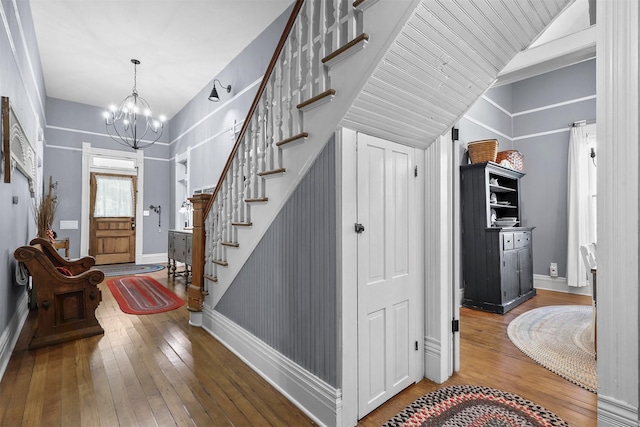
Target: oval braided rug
(559, 338)
(476, 406)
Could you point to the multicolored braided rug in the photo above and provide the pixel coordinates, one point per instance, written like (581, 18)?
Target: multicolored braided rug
(475, 406)
(143, 295)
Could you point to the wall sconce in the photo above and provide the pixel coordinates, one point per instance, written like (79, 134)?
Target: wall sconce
(214, 93)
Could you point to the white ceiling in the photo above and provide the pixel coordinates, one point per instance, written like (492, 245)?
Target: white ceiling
(86, 46)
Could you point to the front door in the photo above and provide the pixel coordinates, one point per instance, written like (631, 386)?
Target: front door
(387, 274)
(112, 218)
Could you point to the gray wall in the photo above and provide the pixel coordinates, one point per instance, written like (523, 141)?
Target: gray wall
(485, 120)
(286, 293)
(533, 119)
(544, 188)
(21, 80)
(69, 124)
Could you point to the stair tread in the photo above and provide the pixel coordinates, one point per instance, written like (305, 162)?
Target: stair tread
(301, 135)
(211, 278)
(242, 224)
(257, 200)
(220, 262)
(231, 244)
(318, 97)
(362, 37)
(273, 172)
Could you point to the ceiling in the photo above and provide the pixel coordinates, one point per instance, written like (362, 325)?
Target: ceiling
(86, 46)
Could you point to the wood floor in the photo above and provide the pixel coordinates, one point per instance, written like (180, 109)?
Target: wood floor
(158, 370)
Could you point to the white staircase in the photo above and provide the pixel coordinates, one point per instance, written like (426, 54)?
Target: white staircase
(403, 70)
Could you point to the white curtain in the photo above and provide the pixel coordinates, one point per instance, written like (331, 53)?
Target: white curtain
(114, 196)
(580, 201)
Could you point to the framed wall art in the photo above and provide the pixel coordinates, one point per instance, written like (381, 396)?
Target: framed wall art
(17, 151)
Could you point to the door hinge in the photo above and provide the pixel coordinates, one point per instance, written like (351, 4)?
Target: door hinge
(415, 171)
(416, 346)
(455, 325)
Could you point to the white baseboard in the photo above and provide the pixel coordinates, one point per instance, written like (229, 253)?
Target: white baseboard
(558, 284)
(11, 333)
(320, 401)
(613, 413)
(433, 369)
(152, 259)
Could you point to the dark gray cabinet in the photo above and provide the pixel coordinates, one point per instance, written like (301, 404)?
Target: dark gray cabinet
(179, 250)
(497, 272)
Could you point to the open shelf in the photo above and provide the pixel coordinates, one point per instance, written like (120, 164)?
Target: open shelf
(501, 189)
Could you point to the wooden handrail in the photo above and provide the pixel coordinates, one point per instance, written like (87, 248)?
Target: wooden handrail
(256, 100)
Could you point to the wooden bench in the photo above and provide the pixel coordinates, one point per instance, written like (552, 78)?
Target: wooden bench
(67, 294)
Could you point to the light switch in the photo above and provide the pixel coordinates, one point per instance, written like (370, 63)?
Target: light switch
(145, 213)
(68, 225)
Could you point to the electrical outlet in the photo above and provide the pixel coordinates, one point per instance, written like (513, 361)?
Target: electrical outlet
(553, 269)
(145, 213)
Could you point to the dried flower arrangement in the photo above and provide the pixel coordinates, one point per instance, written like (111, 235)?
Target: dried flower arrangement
(44, 212)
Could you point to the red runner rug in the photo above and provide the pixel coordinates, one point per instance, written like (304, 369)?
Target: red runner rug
(143, 295)
(477, 406)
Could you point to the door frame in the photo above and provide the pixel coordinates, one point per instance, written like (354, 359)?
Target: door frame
(131, 164)
(347, 274)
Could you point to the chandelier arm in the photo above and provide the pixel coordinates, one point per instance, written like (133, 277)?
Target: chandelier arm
(123, 140)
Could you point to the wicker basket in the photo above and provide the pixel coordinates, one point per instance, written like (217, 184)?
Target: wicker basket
(483, 151)
(515, 158)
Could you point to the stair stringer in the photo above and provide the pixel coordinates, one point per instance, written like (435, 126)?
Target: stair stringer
(383, 22)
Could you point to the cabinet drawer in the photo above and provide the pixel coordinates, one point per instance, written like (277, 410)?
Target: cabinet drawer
(521, 239)
(507, 241)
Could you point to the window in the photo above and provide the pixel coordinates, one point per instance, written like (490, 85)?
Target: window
(114, 196)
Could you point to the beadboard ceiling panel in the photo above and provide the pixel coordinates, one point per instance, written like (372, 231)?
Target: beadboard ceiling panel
(446, 56)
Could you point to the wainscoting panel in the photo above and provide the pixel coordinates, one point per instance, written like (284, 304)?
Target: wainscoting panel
(286, 292)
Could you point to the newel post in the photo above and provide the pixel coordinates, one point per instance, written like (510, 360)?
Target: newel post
(196, 292)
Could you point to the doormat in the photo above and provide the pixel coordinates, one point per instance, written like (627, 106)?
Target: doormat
(111, 270)
(470, 405)
(559, 337)
(143, 295)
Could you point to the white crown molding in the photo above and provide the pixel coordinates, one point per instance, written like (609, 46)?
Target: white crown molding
(569, 50)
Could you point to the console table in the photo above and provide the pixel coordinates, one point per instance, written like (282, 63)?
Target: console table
(179, 250)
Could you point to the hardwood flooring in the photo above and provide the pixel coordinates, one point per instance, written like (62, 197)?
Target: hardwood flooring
(158, 370)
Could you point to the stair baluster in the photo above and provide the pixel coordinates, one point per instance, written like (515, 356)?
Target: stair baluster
(295, 74)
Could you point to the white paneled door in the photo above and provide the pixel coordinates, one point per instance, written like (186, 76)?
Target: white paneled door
(387, 278)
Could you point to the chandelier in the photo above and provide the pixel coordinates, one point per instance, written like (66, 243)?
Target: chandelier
(131, 121)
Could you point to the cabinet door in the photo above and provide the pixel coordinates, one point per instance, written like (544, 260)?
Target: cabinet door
(525, 269)
(509, 276)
